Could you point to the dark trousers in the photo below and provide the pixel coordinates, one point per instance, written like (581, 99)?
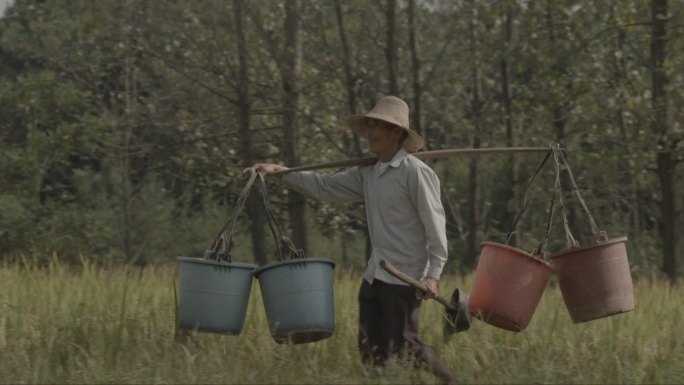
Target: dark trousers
(388, 323)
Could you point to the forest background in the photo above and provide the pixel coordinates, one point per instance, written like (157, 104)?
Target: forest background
(124, 125)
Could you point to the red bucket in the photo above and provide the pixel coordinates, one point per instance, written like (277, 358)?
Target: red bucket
(508, 286)
(595, 280)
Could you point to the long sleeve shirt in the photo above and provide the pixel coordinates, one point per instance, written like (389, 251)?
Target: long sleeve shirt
(405, 215)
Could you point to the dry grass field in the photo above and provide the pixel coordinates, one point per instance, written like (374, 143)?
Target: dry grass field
(90, 325)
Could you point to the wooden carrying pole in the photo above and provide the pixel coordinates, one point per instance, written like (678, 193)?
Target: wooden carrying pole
(423, 155)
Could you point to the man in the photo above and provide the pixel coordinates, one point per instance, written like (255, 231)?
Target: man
(406, 224)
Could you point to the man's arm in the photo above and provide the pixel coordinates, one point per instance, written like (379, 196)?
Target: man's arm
(342, 187)
(425, 193)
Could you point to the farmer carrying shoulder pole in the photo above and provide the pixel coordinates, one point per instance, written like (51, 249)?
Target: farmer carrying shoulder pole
(406, 224)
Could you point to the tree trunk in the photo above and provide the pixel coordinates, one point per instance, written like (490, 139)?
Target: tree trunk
(352, 143)
(391, 48)
(125, 161)
(253, 207)
(559, 102)
(126, 142)
(473, 214)
(514, 200)
(557, 72)
(630, 204)
(415, 70)
(291, 75)
(351, 140)
(666, 160)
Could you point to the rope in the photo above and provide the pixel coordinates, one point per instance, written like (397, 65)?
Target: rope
(598, 234)
(570, 240)
(220, 248)
(524, 204)
(285, 248)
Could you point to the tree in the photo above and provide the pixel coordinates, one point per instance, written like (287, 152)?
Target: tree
(125, 126)
(415, 71)
(391, 47)
(291, 76)
(506, 100)
(667, 144)
(244, 105)
(475, 112)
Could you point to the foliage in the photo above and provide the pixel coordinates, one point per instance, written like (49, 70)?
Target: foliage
(119, 129)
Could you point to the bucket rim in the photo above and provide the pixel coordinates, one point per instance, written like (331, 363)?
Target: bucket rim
(511, 248)
(216, 263)
(589, 247)
(291, 261)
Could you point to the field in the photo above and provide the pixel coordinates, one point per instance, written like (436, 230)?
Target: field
(93, 325)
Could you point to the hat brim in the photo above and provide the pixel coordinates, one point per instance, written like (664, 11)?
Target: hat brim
(357, 123)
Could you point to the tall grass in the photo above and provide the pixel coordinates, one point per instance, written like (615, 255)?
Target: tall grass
(93, 325)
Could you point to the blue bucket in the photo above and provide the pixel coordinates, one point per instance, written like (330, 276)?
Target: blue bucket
(213, 295)
(298, 298)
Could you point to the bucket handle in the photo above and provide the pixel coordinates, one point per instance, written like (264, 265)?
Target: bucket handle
(221, 247)
(285, 248)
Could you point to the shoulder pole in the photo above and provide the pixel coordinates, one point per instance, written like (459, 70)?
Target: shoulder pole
(423, 155)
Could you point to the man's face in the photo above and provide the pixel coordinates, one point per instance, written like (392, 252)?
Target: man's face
(382, 136)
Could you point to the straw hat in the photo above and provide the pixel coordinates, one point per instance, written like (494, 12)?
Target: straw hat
(393, 110)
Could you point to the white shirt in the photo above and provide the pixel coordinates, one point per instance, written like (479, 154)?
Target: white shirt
(405, 216)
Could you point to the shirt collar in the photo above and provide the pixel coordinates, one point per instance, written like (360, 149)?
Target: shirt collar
(398, 157)
(396, 160)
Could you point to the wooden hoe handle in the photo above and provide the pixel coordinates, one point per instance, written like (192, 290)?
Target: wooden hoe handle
(415, 283)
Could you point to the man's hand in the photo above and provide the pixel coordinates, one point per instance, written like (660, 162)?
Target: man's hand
(264, 169)
(431, 285)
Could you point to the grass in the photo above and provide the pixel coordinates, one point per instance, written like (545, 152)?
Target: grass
(116, 325)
